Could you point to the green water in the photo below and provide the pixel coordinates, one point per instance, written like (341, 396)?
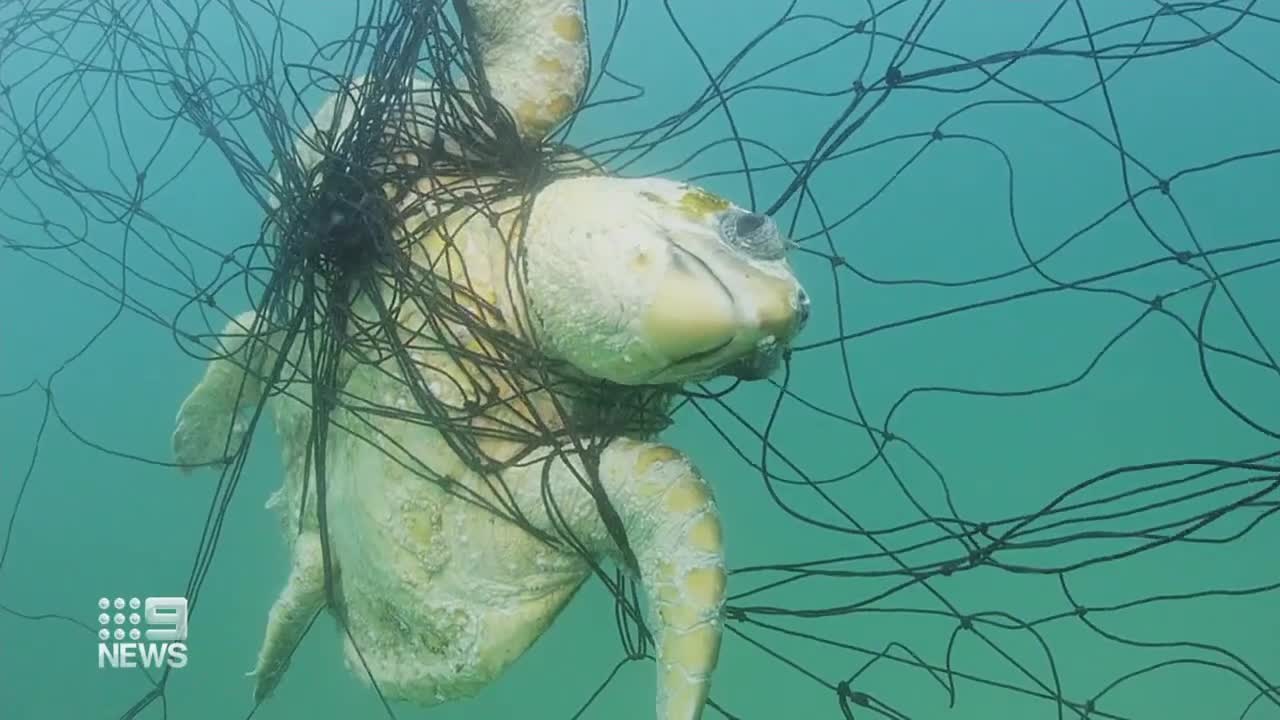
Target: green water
(93, 524)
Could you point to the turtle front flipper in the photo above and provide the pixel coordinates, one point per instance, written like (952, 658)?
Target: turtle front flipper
(533, 54)
(291, 615)
(210, 426)
(673, 529)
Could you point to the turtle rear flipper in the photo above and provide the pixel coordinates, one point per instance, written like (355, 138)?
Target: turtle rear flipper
(294, 609)
(210, 427)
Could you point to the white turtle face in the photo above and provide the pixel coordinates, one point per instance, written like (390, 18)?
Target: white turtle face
(651, 281)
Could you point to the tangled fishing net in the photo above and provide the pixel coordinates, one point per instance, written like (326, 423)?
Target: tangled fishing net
(1022, 461)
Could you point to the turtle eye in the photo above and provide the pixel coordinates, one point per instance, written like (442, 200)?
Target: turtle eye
(749, 223)
(755, 234)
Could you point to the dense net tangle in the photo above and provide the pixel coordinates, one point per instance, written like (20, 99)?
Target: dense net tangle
(235, 84)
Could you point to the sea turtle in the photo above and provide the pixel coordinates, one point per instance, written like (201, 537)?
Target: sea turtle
(636, 285)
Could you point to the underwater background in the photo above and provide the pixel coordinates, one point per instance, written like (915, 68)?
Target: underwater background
(91, 524)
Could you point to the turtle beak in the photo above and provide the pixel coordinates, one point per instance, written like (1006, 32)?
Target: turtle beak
(756, 366)
(763, 360)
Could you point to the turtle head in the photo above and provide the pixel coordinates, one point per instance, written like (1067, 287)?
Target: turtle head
(650, 281)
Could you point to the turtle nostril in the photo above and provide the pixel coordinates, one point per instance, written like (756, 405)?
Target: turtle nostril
(750, 222)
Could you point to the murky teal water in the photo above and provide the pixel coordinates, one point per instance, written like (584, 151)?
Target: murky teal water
(92, 524)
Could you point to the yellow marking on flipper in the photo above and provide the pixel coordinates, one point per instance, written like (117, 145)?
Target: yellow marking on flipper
(653, 455)
(684, 498)
(698, 203)
(530, 117)
(539, 118)
(696, 651)
(705, 585)
(560, 105)
(652, 485)
(705, 535)
(568, 28)
(680, 616)
(550, 65)
(684, 695)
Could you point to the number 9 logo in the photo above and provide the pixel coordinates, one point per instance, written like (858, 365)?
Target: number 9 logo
(170, 612)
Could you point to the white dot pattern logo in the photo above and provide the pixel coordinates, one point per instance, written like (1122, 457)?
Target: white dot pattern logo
(119, 618)
(106, 618)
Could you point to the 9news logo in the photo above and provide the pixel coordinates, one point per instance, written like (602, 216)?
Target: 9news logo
(121, 637)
